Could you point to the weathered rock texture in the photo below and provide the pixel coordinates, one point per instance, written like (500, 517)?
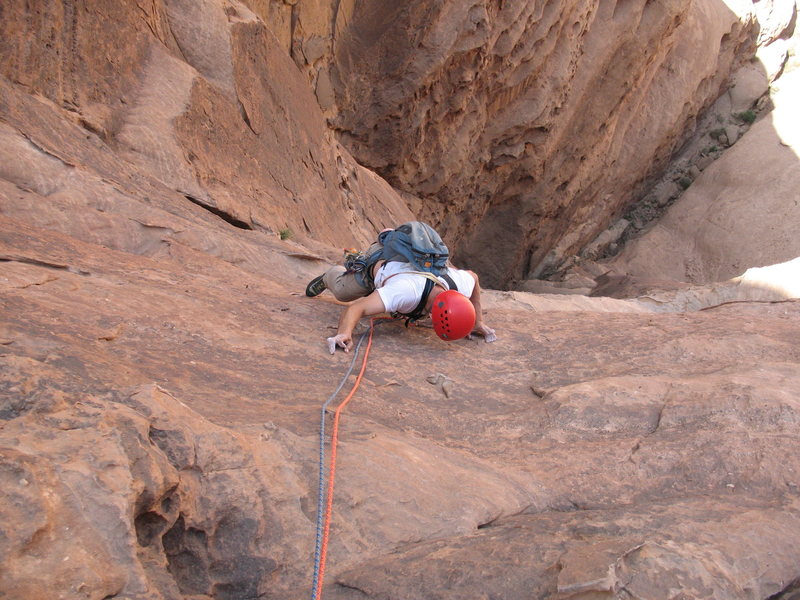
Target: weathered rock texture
(197, 95)
(742, 211)
(160, 437)
(525, 127)
(162, 374)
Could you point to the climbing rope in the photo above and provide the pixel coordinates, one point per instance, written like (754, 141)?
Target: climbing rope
(324, 518)
(321, 489)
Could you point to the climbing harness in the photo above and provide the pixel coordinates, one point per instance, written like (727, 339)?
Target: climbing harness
(324, 517)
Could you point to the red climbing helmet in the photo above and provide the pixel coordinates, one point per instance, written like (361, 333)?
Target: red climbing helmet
(453, 315)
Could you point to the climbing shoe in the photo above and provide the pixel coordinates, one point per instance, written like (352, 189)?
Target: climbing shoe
(315, 287)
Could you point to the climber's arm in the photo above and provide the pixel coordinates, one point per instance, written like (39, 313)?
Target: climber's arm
(363, 307)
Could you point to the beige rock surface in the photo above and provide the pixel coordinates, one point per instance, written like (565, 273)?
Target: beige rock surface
(741, 212)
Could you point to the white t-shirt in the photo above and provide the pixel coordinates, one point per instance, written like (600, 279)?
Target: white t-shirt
(403, 290)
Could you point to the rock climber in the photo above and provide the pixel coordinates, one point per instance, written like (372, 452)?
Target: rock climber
(375, 283)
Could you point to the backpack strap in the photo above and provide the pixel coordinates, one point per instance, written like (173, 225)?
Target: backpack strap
(451, 285)
(436, 279)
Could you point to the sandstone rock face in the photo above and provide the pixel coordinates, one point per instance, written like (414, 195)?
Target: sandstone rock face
(741, 212)
(160, 418)
(525, 127)
(162, 374)
(198, 95)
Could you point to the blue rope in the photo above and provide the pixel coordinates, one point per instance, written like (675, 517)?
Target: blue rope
(322, 487)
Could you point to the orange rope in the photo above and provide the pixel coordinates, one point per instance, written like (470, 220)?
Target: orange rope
(332, 474)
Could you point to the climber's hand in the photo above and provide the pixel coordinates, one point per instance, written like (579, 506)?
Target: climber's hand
(342, 341)
(487, 332)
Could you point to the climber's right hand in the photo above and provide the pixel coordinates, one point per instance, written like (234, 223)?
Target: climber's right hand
(342, 341)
